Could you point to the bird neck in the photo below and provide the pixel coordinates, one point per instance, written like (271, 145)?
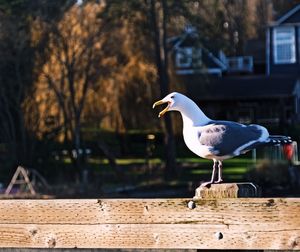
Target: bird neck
(192, 115)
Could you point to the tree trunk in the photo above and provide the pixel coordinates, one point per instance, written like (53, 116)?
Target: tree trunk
(159, 17)
(78, 157)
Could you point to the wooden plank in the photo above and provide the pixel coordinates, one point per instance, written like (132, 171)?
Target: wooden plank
(246, 223)
(145, 236)
(144, 211)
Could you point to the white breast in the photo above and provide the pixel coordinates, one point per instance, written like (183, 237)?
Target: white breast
(191, 139)
(193, 118)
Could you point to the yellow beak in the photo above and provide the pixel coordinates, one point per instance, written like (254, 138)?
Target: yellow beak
(160, 102)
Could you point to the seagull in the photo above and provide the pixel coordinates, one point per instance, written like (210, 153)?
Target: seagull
(213, 139)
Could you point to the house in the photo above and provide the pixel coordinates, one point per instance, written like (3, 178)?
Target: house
(262, 99)
(240, 93)
(191, 57)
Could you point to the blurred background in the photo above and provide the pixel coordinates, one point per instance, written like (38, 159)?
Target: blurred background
(78, 80)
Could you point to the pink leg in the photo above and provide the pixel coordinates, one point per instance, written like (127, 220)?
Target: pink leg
(212, 175)
(220, 166)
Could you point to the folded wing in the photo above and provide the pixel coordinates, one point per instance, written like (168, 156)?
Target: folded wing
(230, 138)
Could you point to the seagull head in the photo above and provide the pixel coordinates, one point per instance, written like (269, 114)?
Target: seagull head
(191, 113)
(173, 101)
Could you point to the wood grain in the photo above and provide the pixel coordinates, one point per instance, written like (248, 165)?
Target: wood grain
(227, 190)
(245, 223)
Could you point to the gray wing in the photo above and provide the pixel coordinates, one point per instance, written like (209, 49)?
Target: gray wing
(226, 137)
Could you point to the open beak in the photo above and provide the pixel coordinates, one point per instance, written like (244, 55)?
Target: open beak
(160, 102)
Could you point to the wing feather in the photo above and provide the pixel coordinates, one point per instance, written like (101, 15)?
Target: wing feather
(226, 138)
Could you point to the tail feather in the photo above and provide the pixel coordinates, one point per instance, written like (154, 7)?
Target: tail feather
(271, 141)
(278, 140)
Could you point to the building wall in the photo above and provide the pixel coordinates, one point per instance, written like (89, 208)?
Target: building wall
(272, 111)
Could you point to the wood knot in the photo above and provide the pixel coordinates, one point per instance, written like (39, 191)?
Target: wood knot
(101, 204)
(146, 209)
(33, 231)
(156, 238)
(295, 242)
(51, 242)
(271, 202)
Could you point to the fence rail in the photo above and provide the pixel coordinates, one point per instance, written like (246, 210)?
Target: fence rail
(242, 223)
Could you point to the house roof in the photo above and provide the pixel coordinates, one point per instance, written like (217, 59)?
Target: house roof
(288, 16)
(191, 39)
(242, 87)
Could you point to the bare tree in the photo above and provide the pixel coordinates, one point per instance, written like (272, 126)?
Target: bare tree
(73, 69)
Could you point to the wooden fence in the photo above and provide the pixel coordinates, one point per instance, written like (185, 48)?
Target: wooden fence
(241, 223)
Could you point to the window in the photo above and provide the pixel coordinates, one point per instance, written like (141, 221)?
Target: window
(284, 45)
(188, 57)
(184, 57)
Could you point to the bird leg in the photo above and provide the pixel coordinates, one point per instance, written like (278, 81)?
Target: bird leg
(212, 175)
(220, 166)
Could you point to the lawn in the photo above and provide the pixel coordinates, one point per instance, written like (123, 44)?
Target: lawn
(138, 177)
(233, 169)
(137, 170)
(132, 176)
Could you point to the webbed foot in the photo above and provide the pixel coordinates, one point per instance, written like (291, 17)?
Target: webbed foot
(207, 184)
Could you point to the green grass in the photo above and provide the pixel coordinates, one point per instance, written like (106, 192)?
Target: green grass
(233, 169)
(128, 161)
(134, 169)
(237, 165)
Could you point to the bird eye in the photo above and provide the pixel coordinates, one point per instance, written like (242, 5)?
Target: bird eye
(172, 96)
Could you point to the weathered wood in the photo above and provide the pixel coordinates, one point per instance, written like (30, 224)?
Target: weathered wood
(227, 190)
(246, 223)
(23, 173)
